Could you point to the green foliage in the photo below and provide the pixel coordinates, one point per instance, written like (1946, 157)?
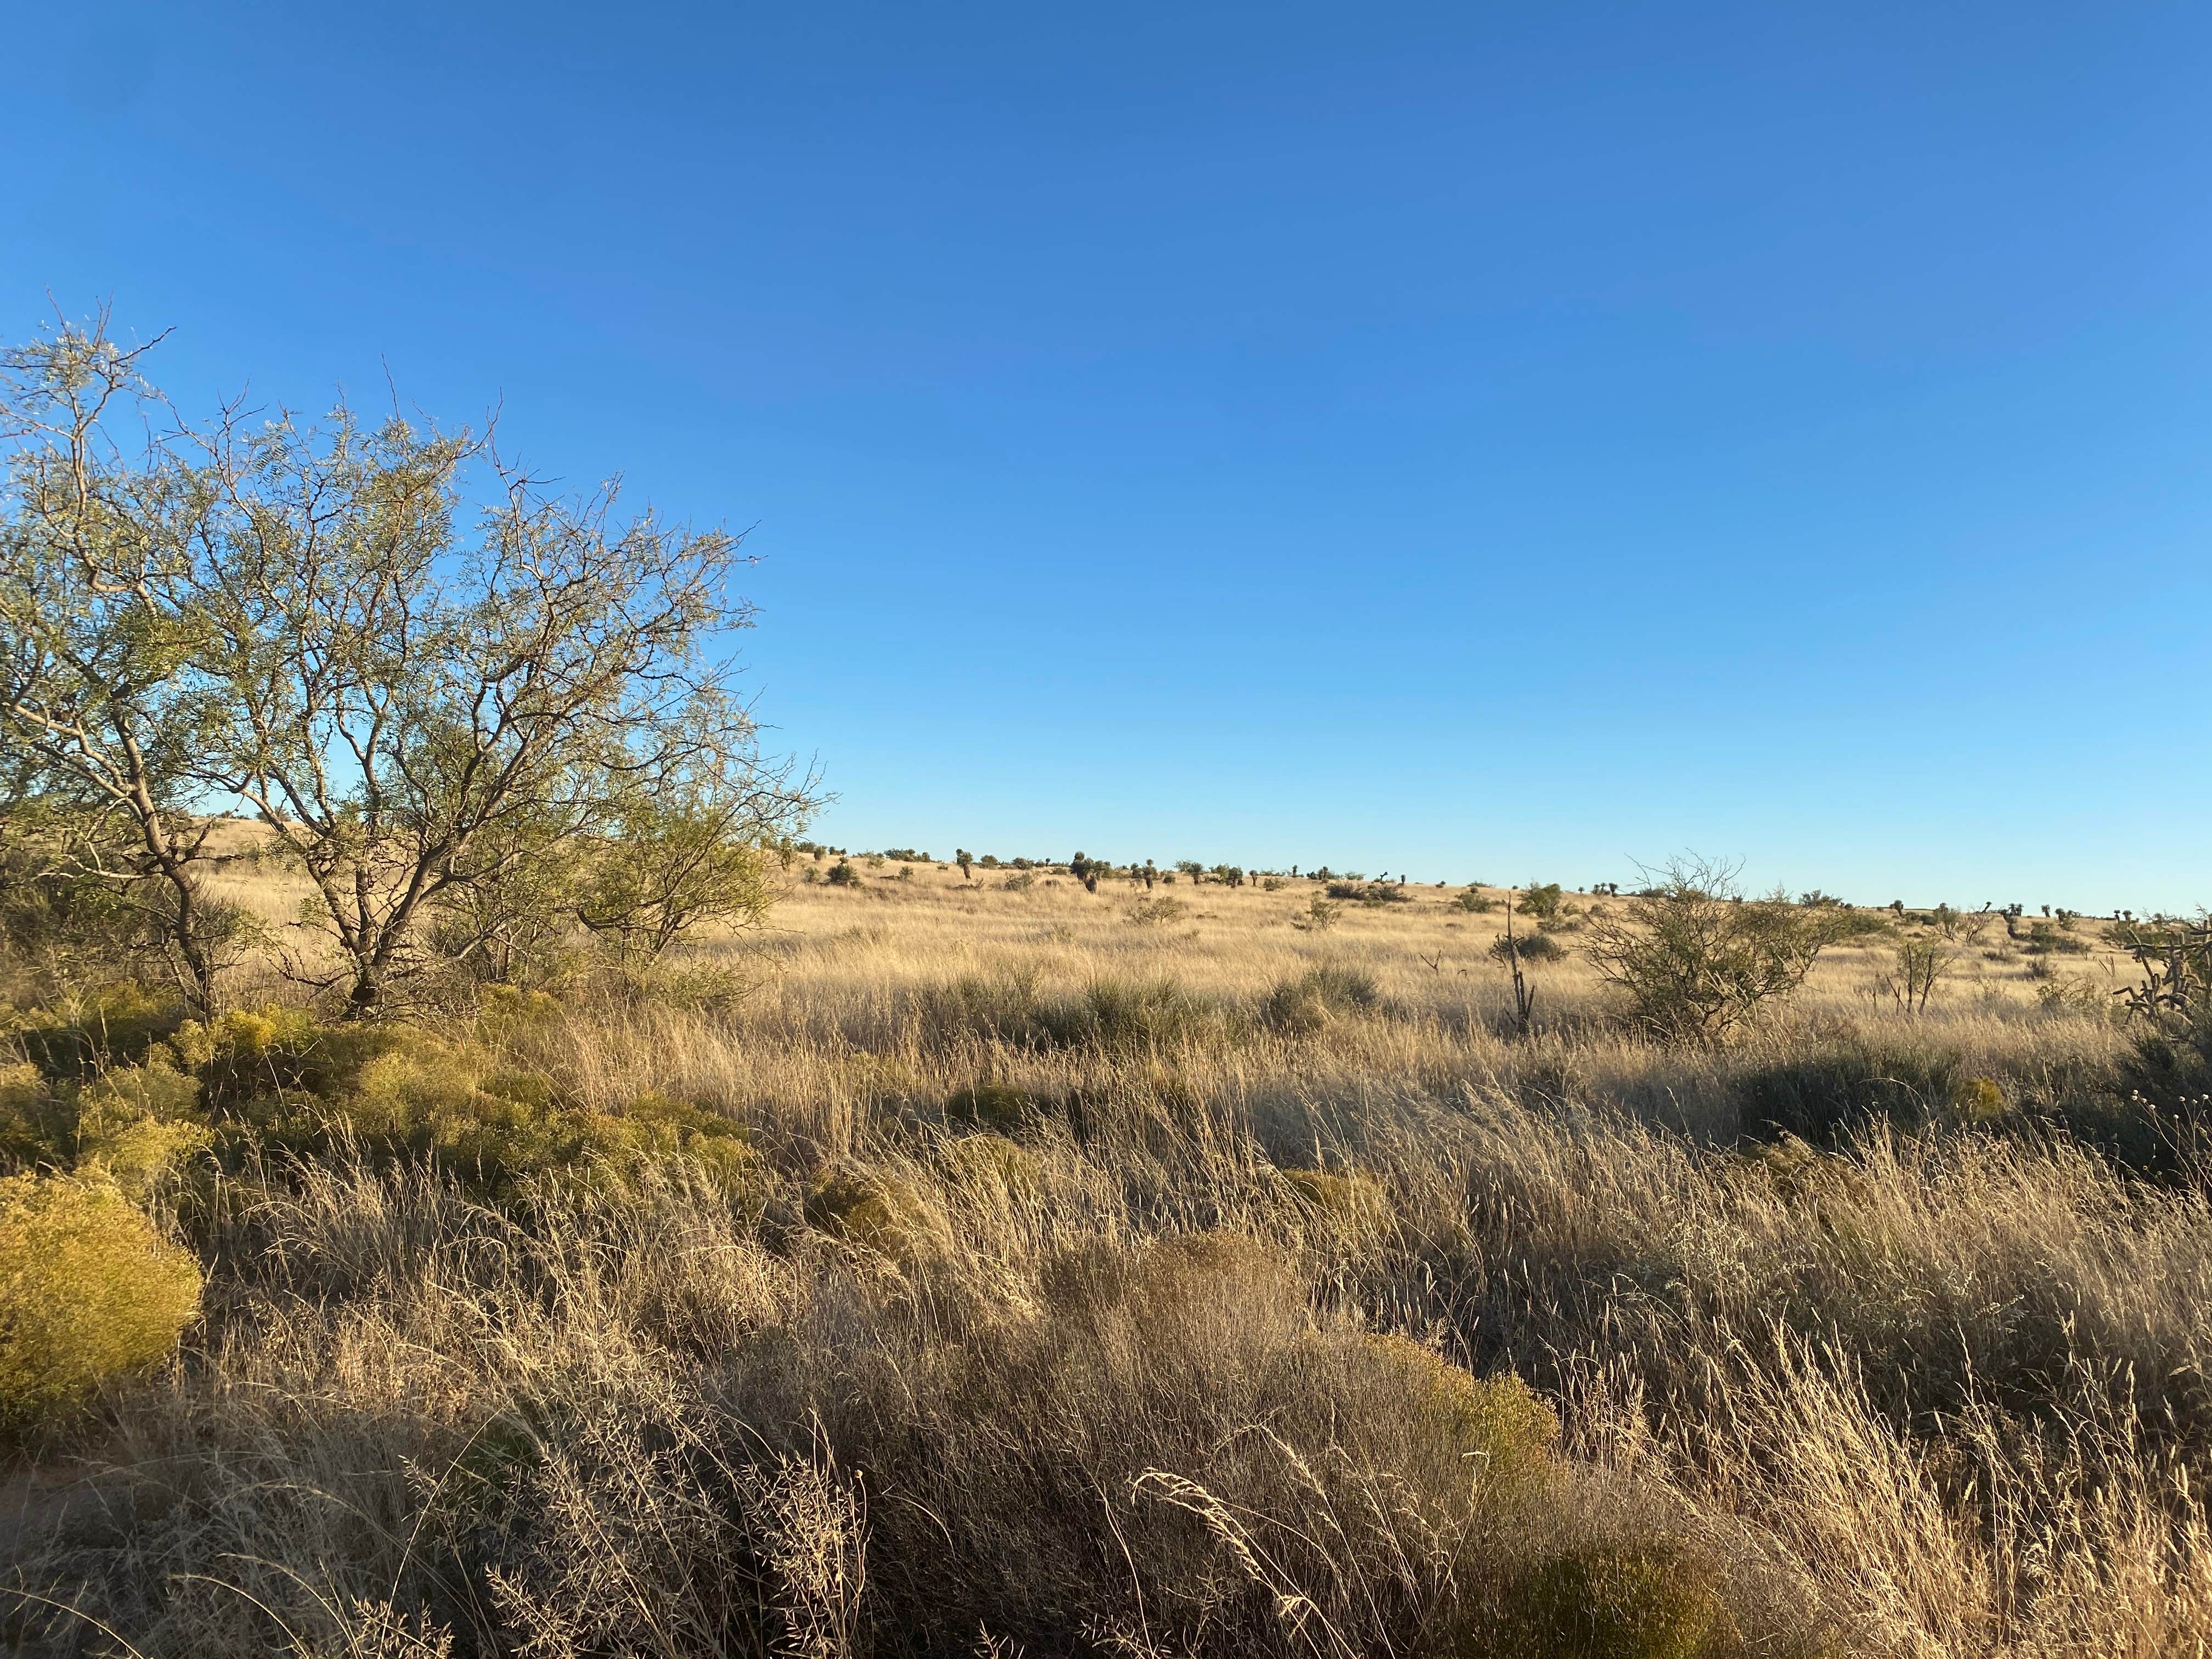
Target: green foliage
(1497, 1426)
(89, 1291)
(132, 1124)
(2052, 938)
(1919, 964)
(1542, 900)
(1473, 901)
(1527, 947)
(879, 1211)
(1158, 913)
(1368, 892)
(1319, 997)
(1119, 1012)
(998, 1107)
(677, 858)
(993, 1163)
(1697, 959)
(1349, 1204)
(842, 874)
(1618, 1601)
(118, 1022)
(1826, 1094)
(2171, 1004)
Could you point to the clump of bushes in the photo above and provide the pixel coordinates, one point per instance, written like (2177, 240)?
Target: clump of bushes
(89, 1291)
(1110, 1012)
(1369, 892)
(1349, 1207)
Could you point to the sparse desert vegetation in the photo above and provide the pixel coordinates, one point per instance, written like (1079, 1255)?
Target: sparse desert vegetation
(950, 1265)
(494, 1190)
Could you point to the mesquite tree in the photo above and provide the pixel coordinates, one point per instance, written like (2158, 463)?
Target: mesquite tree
(101, 709)
(1698, 959)
(421, 697)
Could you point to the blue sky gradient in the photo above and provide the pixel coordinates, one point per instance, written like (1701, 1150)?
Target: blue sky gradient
(1477, 442)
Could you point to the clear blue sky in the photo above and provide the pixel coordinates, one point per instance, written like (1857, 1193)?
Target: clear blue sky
(1477, 440)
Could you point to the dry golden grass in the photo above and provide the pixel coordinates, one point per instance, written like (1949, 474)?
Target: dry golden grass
(1216, 1286)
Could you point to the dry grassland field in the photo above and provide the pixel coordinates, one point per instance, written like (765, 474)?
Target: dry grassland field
(989, 1266)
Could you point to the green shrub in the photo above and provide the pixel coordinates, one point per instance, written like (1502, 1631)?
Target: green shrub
(1697, 960)
(997, 1108)
(1473, 901)
(1528, 947)
(88, 1291)
(1319, 996)
(2050, 939)
(885, 1213)
(1825, 1096)
(134, 1124)
(117, 1025)
(1618, 1602)
(1369, 892)
(1130, 1013)
(1350, 1202)
(1497, 1425)
(1154, 913)
(1542, 899)
(995, 1163)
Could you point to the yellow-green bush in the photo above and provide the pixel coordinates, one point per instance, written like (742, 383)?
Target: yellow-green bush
(117, 1024)
(133, 1123)
(995, 1164)
(1978, 1099)
(1349, 1203)
(88, 1291)
(1498, 1423)
(885, 1213)
(1617, 1602)
(998, 1107)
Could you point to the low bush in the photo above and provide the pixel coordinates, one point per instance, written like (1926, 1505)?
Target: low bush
(992, 1162)
(998, 1107)
(117, 1024)
(1832, 1092)
(89, 1291)
(885, 1213)
(1369, 892)
(1528, 947)
(1115, 1012)
(1158, 913)
(1618, 1602)
(1348, 1203)
(1318, 997)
